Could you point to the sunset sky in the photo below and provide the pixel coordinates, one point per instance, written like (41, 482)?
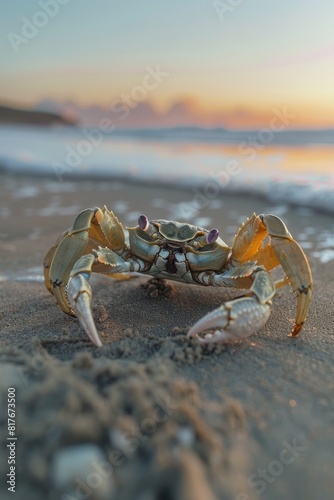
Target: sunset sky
(240, 61)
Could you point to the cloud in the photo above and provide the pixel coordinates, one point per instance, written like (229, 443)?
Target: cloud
(184, 112)
(304, 57)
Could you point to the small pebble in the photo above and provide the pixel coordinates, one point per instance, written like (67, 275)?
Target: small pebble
(186, 436)
(83, 468)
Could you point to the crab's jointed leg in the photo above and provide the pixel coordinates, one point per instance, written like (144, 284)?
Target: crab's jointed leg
(282, 250)
(294, 263)
(79, 291)
(91, 228)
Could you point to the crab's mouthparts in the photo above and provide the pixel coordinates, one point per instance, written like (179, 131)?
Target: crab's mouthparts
(174, 247)
(170, 266)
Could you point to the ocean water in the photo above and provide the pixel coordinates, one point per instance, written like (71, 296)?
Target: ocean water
(288, 167)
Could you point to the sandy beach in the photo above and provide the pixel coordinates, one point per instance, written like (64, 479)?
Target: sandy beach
(151, 414)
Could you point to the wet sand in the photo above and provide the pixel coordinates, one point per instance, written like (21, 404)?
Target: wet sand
(152, 414)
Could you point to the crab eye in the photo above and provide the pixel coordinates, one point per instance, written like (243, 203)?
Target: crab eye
(212, 236)
(143, 222)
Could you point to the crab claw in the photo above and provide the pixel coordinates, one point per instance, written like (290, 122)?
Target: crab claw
(237, 319)
(79, 294)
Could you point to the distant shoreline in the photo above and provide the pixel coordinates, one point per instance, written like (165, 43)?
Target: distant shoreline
(11, 115)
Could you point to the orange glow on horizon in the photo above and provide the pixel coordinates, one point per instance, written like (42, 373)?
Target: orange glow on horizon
(190, 111)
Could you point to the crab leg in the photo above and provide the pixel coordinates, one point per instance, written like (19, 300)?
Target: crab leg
(281, 250)
(90, 228)
(79, 294)
(241, 317)
(79, 291)
(295, 265)
(69, 247)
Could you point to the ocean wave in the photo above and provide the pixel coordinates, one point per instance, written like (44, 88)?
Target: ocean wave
(296, 168)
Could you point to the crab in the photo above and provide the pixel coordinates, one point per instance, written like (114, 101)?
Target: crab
(185, 253)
